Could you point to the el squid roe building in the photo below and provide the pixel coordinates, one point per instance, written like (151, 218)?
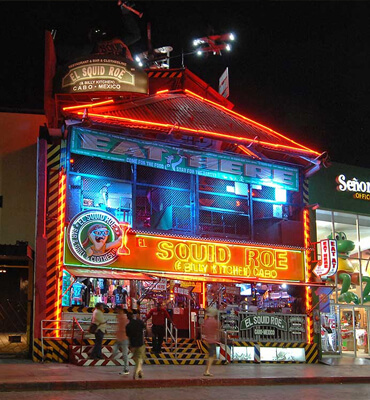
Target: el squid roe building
(151, 188)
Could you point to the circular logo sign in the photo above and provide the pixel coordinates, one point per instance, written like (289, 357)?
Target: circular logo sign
(94, 237)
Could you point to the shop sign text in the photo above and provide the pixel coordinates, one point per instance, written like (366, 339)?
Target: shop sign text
(361, 188)
(328, 265)
(159, 156)
(94, 237)
(103, 73)
(270, 321)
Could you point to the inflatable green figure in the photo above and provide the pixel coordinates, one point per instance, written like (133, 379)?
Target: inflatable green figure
(344, 247)
(345, 295)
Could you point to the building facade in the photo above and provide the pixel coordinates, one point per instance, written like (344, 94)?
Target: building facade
(341, 194)
(156, 190)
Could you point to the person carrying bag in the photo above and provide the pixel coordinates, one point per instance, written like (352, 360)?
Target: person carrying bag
(98, 327)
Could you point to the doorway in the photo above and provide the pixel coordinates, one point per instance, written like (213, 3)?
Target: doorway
(14, 312)
(354, 328)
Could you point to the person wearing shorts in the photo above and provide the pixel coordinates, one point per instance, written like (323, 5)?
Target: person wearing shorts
(211, 336)
(135, 333)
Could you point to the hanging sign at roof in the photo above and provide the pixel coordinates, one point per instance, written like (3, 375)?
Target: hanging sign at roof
(100, 73)
(155, 155)
(94, 239)
(223, 85)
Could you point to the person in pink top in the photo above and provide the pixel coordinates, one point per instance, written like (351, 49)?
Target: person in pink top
(210, 334)
(122, 339)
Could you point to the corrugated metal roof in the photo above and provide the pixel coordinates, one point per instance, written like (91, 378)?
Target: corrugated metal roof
(189, 112)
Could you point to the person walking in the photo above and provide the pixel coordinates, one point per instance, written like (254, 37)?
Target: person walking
(158, 315)
(122, 339)
(135, 333)
(211, 335)
(98, 319)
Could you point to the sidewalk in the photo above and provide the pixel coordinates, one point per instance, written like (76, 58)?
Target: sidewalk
(28, 376)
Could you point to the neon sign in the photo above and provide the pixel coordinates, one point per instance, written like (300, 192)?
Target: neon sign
(155, 155)
(95, 238)
(216, 259)
(182, 256)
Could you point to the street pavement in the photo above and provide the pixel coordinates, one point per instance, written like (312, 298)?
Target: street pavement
(28, 376)
(292, 392)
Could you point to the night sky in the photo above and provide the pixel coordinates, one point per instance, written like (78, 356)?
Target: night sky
(301, 68)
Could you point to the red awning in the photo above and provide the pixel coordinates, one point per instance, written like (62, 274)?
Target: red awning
(88, 272)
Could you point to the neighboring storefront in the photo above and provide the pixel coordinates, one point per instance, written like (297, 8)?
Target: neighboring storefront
(341, 195)
(159, 192)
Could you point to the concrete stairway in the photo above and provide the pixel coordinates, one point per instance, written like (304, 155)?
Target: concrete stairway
(189, 351)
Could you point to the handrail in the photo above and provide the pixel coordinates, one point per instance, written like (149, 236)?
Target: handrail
(75, 322)
(56, 328)
(170, 328)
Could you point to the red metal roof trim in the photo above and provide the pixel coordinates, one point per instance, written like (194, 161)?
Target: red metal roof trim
(188, 112)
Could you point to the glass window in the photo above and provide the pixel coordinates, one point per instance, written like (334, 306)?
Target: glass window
(163, 200)
(364, 239)
(352, 233)
(223, 208)
(346, 234)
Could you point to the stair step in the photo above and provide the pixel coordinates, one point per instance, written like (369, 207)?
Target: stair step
(188, 352)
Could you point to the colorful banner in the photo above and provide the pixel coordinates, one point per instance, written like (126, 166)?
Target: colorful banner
(155, 155)
(93, 238)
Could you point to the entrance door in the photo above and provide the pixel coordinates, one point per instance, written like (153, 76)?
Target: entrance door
(361, 332)
(14, 312)
(347, 331)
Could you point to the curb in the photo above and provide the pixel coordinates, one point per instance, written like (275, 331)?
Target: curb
(152, 383)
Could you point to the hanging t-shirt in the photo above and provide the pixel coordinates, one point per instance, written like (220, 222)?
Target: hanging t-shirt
(120, 296)
(78, 289)
(103, 286)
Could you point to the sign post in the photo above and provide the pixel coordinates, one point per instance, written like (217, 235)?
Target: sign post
(223, 86)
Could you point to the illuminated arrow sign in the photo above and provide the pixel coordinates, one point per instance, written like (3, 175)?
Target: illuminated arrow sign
(328, 265)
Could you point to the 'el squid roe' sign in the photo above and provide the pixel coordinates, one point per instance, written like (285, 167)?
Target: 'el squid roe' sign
(151, 253)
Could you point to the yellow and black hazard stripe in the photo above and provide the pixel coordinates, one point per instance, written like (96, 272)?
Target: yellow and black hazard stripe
(53, 166)
(165, 74)
(312, 353)
(54, 350)
(83, 309)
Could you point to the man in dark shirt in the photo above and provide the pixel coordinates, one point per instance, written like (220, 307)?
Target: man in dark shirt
(135, 333)
(158, 315)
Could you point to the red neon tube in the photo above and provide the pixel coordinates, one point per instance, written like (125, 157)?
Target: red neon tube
(60, 228)
(89, 105)
(200, 131)
(242, 117)
(306, 227)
